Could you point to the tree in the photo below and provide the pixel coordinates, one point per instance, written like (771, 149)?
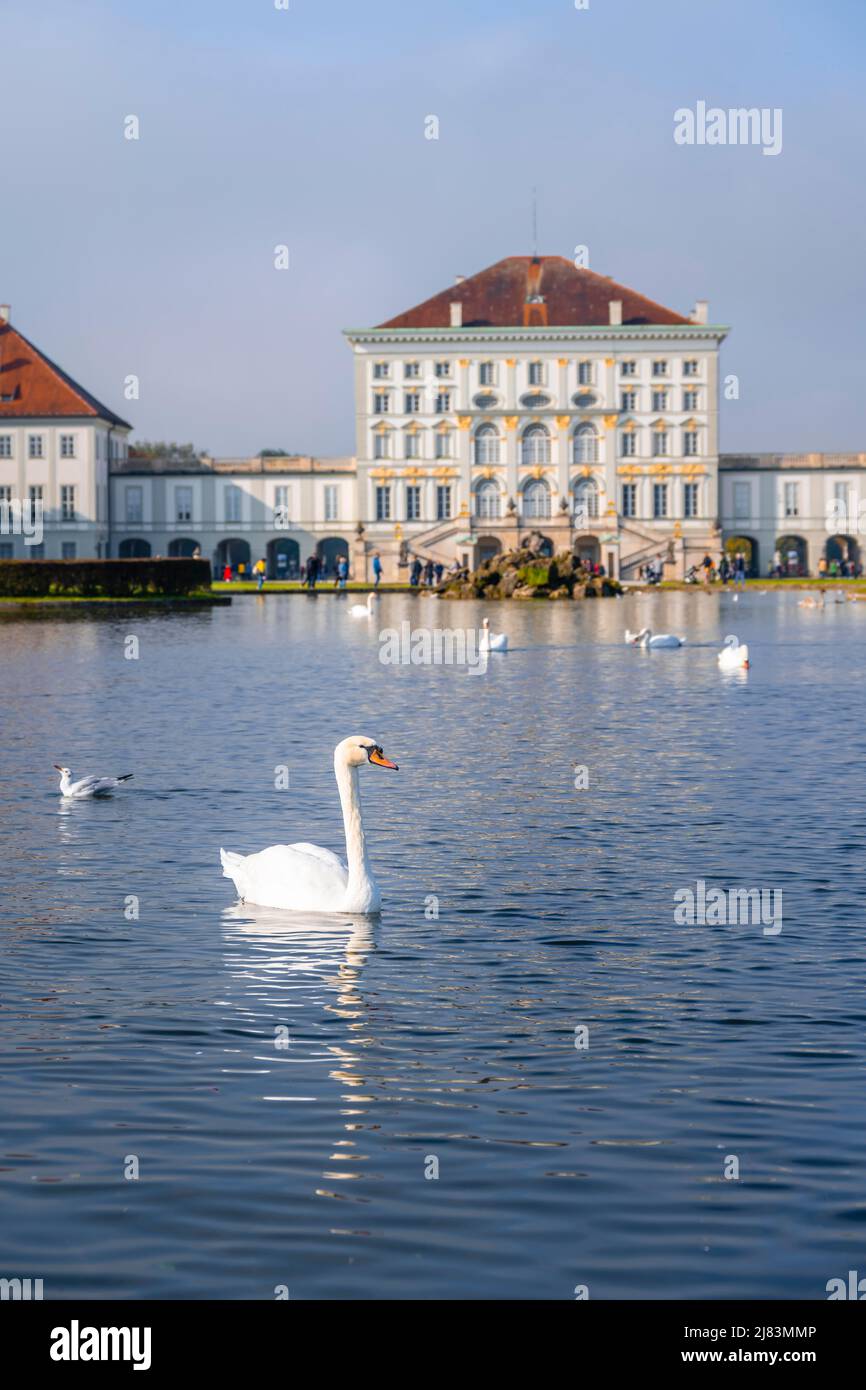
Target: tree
(275, 454)
(158, 449)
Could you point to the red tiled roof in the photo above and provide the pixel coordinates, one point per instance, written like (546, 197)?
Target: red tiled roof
(38, 387)
(498, 298)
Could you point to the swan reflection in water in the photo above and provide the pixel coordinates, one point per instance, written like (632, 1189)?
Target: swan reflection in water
(283, 963)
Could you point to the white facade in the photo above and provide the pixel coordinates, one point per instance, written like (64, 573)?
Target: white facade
(811, 505)
(605, 438)
(62, 464)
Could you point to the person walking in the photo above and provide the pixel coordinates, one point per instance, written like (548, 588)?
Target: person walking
(377, 570)
(740, 570)
(312, 571)
(439, 570)
(706, 566)
(227, 574)
(428, 574)
(260, 574)
(342, 571)
(415, 573)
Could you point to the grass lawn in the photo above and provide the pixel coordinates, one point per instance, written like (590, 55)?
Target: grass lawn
(858, 585)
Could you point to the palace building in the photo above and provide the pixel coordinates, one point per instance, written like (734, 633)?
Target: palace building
(533, 397)
(538, 396)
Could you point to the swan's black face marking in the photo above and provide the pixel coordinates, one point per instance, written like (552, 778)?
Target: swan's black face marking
(375, 755)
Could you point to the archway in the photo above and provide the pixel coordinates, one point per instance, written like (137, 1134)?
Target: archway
(134, 548)
(588, 550)
(231, 551)
(182, 548)
(488, 547)
(745, 545)
(842, 549)
(794, 552)
(329, 551)
(284, 558)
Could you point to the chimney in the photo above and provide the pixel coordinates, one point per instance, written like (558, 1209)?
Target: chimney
(615, 307)
(456, 314)
(701, 311)
(458, 279)
(4, 313)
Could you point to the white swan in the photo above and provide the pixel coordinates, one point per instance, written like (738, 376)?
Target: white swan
(304, 877)
(363, 610)
(492, 641)
(734, 655)
(645, 638)
(88, 786)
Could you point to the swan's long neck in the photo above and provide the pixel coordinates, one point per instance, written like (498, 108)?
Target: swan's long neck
(356, 845)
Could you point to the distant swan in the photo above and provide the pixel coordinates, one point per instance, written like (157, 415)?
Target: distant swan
(810, 602)
(645, 638)
(492, 641)
(363, 610)
(304, 877)
(734, 655)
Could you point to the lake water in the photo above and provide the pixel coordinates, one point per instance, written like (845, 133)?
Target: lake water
(410, 1038)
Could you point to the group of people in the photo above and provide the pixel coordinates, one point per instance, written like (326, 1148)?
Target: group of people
(428, 573)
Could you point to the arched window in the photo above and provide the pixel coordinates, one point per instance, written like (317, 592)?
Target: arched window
(486, 444)
(536, 499)
(536, 445)
(586, 498)
(585, 444)
(487, 500)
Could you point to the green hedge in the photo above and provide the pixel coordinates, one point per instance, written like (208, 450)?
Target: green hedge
(102, 578)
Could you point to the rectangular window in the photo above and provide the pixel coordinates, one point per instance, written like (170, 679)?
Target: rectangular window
(443, 444)
(690, 443)
(67, 503)
(660, 368)
(6, 493)
(383, 503)
(282, 510)
(381, 370)
(442, 369)
(232, 498)
(5, 446)
(690, 366)
(67, 446)
(412, 403)
(629, 499)
(742, 501)
(690, 499)
(413, 502)
(628, 368)
(36, 493)
(487, 374)
(584, 373)
(411, 445)
(411, 370)
(35, 446)
(792, 499)
(443, 403)
(660, 400)
(382, 445)
(183, 504)
(536, 373)
(36, 552)
(443, 502)
(134, 505)
(660, 442)
(628, 400)
(691, 400)
(68, 550)
(7, 550)
(628, 444)
(660, 500)
(381, 402)
(332, 502)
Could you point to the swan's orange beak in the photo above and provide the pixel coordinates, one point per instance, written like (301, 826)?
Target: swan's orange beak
(381, 761)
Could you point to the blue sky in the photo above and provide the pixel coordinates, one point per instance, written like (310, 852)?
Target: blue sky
(306, 127)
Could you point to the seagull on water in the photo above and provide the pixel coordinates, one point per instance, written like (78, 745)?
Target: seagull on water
(88, 786)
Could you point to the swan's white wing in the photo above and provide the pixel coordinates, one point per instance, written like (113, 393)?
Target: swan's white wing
(293, 877)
